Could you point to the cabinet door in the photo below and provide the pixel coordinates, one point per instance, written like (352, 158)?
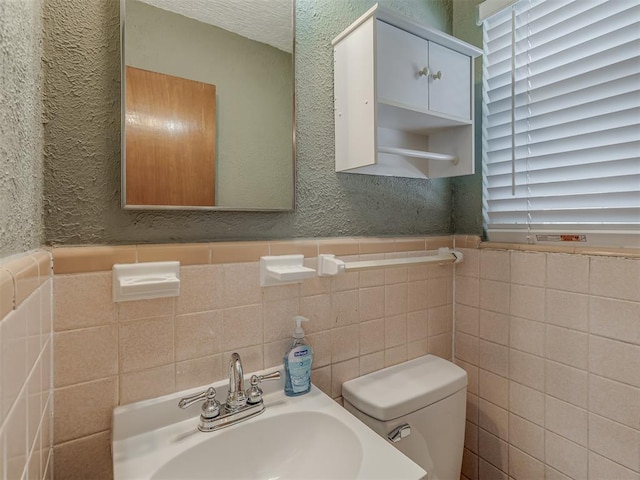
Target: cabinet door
(400, 56)
(450, 89)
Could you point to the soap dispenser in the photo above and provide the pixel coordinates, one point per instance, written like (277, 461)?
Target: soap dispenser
(297, 362)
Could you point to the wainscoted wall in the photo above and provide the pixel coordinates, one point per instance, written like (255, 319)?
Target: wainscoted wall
(110, 354)
(26, 398)
(551, 343)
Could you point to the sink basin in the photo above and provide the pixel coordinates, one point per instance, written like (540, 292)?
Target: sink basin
(306, 437)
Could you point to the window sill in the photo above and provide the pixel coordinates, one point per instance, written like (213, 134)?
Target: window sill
(596, 251)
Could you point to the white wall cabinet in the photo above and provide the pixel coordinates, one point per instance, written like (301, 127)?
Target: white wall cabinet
(403, 98)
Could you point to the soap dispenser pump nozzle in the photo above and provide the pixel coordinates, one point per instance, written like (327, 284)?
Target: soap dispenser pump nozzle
(298, 332)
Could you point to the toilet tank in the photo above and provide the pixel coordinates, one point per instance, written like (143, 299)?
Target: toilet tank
(427, 393)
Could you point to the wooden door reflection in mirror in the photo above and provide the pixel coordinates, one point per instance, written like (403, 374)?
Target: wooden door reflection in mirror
(170, 140)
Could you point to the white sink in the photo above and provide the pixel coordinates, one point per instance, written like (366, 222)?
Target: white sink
(306, 437)
(309, 440)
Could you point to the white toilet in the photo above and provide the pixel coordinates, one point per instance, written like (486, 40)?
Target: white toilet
(420, 406)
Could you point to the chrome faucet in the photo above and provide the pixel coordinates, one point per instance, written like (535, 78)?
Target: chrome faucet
(240, 404)
(236, 397)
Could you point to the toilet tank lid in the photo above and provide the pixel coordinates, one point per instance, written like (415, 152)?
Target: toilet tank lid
(402, 389)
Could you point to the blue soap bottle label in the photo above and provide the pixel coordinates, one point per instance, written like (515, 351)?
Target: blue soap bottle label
(299, 366)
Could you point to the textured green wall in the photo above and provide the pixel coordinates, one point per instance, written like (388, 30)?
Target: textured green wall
(82, 102)
(467, 190)
(21, 132)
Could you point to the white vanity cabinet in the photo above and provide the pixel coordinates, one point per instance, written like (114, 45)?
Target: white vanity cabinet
(403, 98)
(421, 75)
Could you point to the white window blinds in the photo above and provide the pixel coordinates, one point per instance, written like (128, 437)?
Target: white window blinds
(561, 121)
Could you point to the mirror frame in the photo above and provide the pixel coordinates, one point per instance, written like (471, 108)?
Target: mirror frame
(123, 160)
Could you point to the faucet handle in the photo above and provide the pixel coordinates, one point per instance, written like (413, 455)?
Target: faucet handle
(269, 376)
(254, 392)
(208, 394)
(211, 406)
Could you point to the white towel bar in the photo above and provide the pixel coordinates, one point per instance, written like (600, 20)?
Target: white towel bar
(329, 265)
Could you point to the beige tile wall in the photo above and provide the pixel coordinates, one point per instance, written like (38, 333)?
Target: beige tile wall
(551, 343)
(26, 399)
(108, 354)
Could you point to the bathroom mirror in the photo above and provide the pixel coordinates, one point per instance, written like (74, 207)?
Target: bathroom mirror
(208, 104)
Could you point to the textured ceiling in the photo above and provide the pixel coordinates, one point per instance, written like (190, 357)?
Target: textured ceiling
(267, 21)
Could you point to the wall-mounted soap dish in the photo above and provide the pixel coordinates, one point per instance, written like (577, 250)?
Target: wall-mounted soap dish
(139, 281)
(283, 270)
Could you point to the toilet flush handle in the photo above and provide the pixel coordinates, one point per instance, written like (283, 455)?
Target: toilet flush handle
(398, 433)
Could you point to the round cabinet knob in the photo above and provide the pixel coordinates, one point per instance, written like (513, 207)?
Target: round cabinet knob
(437, 76)
(424, 72)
